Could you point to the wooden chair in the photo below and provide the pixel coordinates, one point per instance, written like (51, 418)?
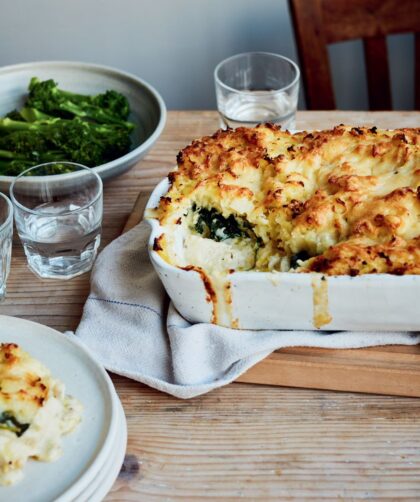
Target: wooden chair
(321, 22)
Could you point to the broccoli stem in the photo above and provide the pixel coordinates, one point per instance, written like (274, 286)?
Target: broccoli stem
(9, 125)
(11, 155)
(34, 115)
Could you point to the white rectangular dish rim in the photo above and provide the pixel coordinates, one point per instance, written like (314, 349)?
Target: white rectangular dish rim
(284, 300)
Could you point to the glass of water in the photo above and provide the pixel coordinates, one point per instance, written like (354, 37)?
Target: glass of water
(257, 87)
(58, 215)
(6, 232)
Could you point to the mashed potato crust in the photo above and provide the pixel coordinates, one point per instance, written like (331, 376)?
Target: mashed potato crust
(344, 201)
(34, 412)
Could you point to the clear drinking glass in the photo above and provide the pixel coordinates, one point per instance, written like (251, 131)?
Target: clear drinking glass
(58, 217)
(6, 232)
(257, 87)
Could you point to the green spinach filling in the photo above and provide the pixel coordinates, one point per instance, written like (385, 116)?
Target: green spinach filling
(9, 422)
(213, 225)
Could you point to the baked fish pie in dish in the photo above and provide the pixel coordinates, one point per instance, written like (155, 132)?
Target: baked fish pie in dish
(261, 228)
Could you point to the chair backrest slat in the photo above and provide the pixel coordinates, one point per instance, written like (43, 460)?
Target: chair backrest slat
(352, 19)
(417, 70)
(377, 71)
(314, 63)
(321, 22)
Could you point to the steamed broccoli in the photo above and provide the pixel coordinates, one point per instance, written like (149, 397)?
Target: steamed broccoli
(15, 115)
(21, 149)
(72, 140)
(8, 126)
(26, 114)
(56, 125)
(109, 108)
(89, 144)
(16, 166)
(33, 115)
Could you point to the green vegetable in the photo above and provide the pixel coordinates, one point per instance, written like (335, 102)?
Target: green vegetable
(59, 140)
(14, 167)
(56, 125)
(213, 225)
(8, 125)
(15, 115)
(109, 108)
(9, 422)
(27, 114)
(33, 115)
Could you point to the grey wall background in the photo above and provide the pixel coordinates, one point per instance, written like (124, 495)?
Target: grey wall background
(175, 44)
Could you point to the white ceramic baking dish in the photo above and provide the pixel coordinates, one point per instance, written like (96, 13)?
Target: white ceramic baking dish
(278, 300)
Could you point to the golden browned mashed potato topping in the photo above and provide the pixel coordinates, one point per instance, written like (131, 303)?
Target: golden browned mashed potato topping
(34, 412)
(344, 201)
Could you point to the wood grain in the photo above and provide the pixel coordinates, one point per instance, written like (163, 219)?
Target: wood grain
(377, 71)
(268, 443)
(318, 23)
(393, 371)
(348, 20)
(137, 211)
(313, 54)
(417, 71)
(370, 370)
(242, 441)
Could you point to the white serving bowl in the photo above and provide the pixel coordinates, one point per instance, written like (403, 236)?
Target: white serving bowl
(284, 300)
(148, 110)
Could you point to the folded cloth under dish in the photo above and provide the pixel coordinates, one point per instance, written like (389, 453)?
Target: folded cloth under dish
(129, 324)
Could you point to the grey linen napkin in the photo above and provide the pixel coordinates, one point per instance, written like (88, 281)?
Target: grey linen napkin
(129, 324)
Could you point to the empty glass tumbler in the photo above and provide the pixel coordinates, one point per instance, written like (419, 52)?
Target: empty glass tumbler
(58, 214)
(257, 87)
(6, 232)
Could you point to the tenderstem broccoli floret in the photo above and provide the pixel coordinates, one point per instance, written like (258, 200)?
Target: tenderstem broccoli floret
(110, 107)
(72, 140)
(56, 125)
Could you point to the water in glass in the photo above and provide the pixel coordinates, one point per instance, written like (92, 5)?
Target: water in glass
(253, 107)
(62, 244)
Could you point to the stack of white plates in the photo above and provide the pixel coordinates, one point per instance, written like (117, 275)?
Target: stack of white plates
(94, 452)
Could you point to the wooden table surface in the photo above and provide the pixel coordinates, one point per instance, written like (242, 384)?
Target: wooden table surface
(241, 441)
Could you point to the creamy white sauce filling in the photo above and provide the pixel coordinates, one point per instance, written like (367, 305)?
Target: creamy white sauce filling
(59, 415)
(187, 247)
(210, 255)
(216, 258)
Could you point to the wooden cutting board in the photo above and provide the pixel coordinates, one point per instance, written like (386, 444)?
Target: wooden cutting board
(391, 370)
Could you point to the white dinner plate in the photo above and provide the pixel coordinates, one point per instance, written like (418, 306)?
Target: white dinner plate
(107, 475)
(87, 448)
